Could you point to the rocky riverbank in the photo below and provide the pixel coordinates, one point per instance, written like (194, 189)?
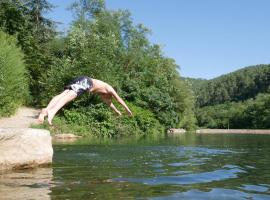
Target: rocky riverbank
(24, 148)
(21, 146)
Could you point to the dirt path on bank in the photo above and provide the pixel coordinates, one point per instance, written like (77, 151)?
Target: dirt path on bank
(22, 119)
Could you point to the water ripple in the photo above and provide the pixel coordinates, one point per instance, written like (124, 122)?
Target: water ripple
(193, 178)
(216, 193)
(255, 188)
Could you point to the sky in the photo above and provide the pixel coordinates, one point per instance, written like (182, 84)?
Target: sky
(206, 38)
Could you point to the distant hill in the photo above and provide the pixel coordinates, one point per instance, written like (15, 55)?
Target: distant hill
(240, 99)
(235, 86)
(194, 83)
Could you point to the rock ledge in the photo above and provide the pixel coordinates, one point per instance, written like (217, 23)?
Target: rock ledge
(24, 148)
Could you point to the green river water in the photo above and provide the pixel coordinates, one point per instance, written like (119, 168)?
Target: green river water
(185, 167)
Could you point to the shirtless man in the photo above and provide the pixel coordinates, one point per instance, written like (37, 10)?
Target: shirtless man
(76, 88)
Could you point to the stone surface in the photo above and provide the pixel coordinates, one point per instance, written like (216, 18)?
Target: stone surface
(176, 131)
(23, 118)
(233, 131)
(66, 136)
(24, 148)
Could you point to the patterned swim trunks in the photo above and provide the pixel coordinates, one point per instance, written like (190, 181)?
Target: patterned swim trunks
(80, 85)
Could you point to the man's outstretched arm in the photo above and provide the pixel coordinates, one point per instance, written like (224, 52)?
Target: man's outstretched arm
(121, 101)
(108, 101)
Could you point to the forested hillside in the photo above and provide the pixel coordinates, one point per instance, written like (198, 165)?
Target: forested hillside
(236, 86)
(106, 45)
(194, 84)
(240, 99)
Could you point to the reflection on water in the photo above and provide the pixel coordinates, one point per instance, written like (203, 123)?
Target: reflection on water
(26, 184)
(185, 167)
(215, 193)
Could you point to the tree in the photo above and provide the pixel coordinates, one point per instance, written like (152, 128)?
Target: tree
(107, 45)
(13, 81)
(25, 20)
(236, 86)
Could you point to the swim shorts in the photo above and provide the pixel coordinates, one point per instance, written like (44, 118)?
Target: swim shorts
(80, 85)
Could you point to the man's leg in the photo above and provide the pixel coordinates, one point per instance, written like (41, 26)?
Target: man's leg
(44, 111)
(56, 99)
(69, 96)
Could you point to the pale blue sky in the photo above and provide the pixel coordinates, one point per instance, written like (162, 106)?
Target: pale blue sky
(207, 38)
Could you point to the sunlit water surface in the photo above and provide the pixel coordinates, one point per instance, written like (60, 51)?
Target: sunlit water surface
(184, 167)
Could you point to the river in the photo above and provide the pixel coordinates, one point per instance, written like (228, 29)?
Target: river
(184, 167)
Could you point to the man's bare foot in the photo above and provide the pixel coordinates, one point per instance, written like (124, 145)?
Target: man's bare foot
(42, 115)
(50, 117)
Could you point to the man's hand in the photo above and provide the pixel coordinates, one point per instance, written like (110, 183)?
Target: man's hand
(120, 100)
(129, 112)
(118, 112)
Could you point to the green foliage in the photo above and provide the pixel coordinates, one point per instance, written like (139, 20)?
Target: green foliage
(253, 114)
(236, 86)
(25, 20)
(13, 81)
(258, 111)
(97, 120)
(195, 84)
(107, 45)
(234, 100)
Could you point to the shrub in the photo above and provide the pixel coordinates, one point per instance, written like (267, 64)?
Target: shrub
(98, 120)
(13, 81)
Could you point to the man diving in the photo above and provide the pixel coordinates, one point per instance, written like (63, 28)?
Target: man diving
(76, 88)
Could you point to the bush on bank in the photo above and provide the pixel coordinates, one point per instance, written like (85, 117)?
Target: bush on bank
(13, 81)
(98, 120)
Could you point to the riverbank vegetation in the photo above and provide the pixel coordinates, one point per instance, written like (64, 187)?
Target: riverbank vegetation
(106, 45)
(240, 99)
(13, 77)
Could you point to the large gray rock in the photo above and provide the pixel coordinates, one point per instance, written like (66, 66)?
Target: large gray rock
(24, 148)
